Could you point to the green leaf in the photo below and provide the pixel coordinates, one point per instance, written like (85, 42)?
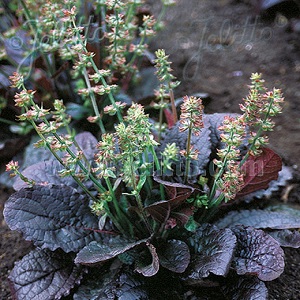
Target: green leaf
(191, 224)
(142, 181)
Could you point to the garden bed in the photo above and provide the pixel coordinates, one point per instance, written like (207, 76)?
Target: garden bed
(215, 46)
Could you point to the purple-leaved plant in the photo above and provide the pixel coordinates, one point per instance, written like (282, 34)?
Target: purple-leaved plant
(118, 215)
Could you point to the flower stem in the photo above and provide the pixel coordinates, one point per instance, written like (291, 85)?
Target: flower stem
(188, 152)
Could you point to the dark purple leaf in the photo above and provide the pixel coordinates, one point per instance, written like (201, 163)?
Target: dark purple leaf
(152, 268)
(284, 208)
(44, 172)
(214, 249)
(113, 285)
(258, 254)
(162, 211)
(265, 4)
(201, 143)
(35, 155)
(43, 274)
(52, 216)
(174, 256)
(260, 171)
(258, 218)
(215, 121)
(286, 238)
(47, 173)
(246, 288)
(95, 253)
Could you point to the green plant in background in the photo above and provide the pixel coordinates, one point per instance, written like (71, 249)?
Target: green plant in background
(112, 216)
(80, 53)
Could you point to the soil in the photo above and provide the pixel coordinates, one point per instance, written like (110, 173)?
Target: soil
(214, 47)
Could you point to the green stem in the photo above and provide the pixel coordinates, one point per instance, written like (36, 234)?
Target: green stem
(110, 95)
(114, 220)
(35, 29)
(258, 134)
(103, 82)
(155, 158)
(9, 122)
(114, 199)
(93, 99)
(61, 162)
(121, 218)
(135, 55)
(129, 13)
(82, 167)
(137, 195)
(216, 179)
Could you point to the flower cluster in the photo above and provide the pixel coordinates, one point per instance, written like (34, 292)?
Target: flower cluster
(257, 109)
(191, 115)
(17, 80)
(169, 156)
(191, 121)
(122, 28)
(112, 109)
(126, 147)
(232, 180)
(105, 157)
(164, 70)
(13, 167)
(168, 83)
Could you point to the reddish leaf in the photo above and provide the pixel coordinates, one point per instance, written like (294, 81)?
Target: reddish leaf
(176, 191)
(162, 212)
(176, 206)
(159, 211)
(183, 215)
(169, 118)
(260, 171)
